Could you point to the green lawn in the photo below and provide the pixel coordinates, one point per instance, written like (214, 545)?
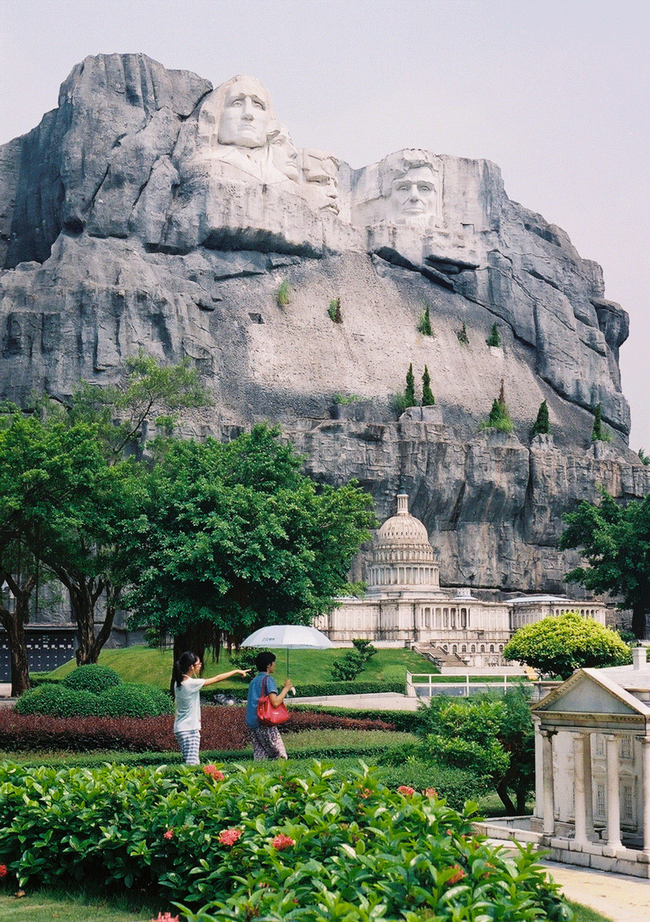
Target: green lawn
(44, 907)
(144, 664)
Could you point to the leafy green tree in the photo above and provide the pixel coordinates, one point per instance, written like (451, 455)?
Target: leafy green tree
(542, 425)
(234, 536)
(645, 459)
(428, 400)
(560, 644)
(334, 311)
(409, 393)
(147, 394)
(52, 478)
(494, 339)
(492, 737)
(615, 541)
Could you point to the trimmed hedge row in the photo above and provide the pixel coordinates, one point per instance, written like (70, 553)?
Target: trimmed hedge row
(224, 729)
(324, 689)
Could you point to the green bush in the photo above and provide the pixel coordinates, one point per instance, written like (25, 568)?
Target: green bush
(92, 678)
(131, 699)
(40, 700)
(283, 294)
(273, 842)
(455, 785)
(56, 700)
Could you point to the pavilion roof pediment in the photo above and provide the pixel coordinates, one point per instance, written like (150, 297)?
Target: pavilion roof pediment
(586, 692)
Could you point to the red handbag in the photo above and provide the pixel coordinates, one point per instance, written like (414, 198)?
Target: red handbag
(267, 715)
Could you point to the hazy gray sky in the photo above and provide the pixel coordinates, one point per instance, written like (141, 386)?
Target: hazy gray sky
(556, 92)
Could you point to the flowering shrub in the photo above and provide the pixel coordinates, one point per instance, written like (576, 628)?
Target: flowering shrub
(281, 842)
(213, 772)
(228, 836)
(282, 845)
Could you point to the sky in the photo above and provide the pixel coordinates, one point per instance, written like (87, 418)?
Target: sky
(555, 92)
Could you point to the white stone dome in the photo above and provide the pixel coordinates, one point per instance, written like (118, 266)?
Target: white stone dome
(403, 556)
(403, 536)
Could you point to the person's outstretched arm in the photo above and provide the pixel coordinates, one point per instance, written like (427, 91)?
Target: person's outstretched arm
(225, 675)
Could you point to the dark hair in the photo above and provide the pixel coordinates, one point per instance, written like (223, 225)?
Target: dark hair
(181, 666)
(263, 660)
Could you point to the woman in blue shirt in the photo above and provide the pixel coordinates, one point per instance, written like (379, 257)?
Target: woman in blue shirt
(267, 742)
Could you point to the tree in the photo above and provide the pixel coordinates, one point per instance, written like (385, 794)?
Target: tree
(499, 417)
(409, 393)
(232, 537)
(643, 458)
(148, 393)
(615, 541)
(598, 433)
(560, 644)
(542, 425)
(491, 737)
(50, 476)
(494, 339)
(428, 400)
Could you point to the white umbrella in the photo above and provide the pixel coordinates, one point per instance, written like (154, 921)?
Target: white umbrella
(288, 637)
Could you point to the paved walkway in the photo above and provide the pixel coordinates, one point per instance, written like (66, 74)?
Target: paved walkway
(616, 896)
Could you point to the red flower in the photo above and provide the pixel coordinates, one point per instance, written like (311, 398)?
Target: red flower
(3, 870)
(229, 836)
(431, 792)
(165, 917)
(365, 793)
(169, 834)
(458, 875)
(405, 790)
(213, 772)
(281, 842)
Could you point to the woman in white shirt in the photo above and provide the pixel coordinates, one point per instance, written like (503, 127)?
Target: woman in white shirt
(185, 688)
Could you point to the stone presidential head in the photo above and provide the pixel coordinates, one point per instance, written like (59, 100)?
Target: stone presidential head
(320, 172)
(246, 118)
(410, 186)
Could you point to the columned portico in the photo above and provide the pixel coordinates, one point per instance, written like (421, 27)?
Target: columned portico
(645, 757)
(583, 796)
(613, 793)
(548, 811)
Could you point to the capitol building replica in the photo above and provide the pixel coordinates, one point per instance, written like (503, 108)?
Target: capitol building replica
(404, 605)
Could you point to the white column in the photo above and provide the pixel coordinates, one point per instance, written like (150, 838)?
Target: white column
(548, 809)
(613, 796)
(645, 797)
(580, 802)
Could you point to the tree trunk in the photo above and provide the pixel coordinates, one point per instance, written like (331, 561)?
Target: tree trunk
(84, 593)
(502, 791)
(105, 631)
(189, 641)
(14, 624)
(638, 621)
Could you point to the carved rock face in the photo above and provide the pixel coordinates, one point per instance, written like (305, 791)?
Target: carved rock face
(152, 210)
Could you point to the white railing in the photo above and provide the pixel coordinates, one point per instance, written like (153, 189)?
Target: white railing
(426, 685)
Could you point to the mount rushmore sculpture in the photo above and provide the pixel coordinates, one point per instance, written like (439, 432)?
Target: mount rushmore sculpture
(151, 210)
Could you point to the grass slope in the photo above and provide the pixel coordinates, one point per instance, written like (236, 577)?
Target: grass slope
(144, 664)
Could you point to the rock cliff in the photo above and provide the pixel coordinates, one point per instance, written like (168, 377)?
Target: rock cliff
(151, 210)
